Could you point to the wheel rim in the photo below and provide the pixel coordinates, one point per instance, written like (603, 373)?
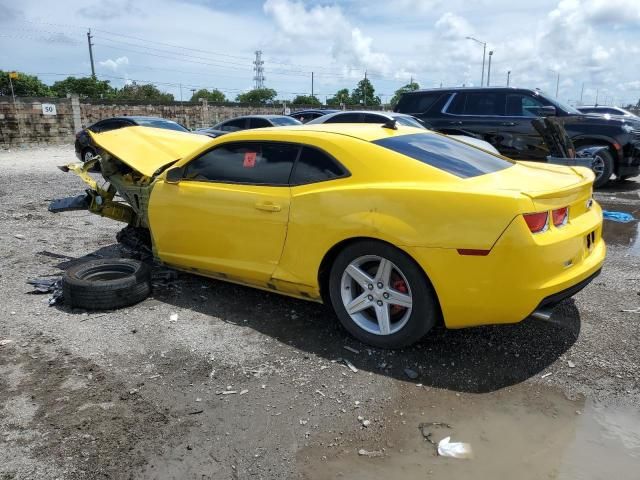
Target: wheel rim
(105, 273)
(376, 295)
(88, 155)
(598, 166)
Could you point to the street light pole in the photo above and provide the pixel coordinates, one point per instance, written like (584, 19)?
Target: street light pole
(489, 70)
(484, 54)
(508, 77)
(557, 80)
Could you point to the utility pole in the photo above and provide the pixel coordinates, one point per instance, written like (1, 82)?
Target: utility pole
(557, 84)
(581, 93)
(93, 68)
(258, 68)
(508, 77)
(365, 88)
(311, 84)
(597, 91)
(489, 70)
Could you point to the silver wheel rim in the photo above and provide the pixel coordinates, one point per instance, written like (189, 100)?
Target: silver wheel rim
(88, 156)
(598, 166)
(376, 295)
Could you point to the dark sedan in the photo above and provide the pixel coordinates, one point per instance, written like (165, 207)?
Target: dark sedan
(85, 150)
(248, 122)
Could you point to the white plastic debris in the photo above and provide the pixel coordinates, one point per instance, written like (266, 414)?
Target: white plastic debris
(173, 317)
(547, 375)
(351, 349)
(242, 392)
(366, 453)
(4, 342)
(454, 449)
(366, 423)
(571, 364)
(350, 365)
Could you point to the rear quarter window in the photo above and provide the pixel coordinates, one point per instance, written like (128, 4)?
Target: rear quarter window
(417, 102)
(446, 154)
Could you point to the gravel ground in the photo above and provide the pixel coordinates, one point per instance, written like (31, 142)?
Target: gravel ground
(132, 394)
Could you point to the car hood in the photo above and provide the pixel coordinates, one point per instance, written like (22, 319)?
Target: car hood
(598, 119)
(147, 149)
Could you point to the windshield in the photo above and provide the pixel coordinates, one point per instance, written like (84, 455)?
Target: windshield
(159, 123)
(456, 158)
(562, 106)
(408, 121)
(285, 121)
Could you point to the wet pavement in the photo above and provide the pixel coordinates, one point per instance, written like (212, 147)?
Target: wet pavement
(521, 432)
(623, 234)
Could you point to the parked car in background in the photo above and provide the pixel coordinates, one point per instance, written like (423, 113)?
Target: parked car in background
(397, 228)
(85, 150)
(305, 116)
(606, 110)
(249, 122)
(366, 116)
(502, 116)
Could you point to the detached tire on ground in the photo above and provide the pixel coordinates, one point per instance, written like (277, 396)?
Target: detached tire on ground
(381, 296)
(106, 284)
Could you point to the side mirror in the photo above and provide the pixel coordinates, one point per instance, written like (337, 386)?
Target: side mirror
(174, 175)
(547, 111)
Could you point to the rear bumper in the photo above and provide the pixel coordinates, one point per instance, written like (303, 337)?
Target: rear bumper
(522, 273)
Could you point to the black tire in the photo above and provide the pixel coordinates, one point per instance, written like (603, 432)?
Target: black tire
(424, 312)
(608, 164)
(106, 284)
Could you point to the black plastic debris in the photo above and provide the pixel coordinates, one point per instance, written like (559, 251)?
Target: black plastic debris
(48, 285)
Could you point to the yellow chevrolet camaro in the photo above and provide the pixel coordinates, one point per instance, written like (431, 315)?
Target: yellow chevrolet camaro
(397, 228)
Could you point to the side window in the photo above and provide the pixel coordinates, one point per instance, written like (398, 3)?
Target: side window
(484, 104)
(259, 163)
(519, 105)
(373, 118)
(417, 103)
(258, 123)
(315, 166)
(456, 107)
(345, 118)
(234, 125)
(107, 125)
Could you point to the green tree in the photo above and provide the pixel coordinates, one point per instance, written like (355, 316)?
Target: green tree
(213, 95)
(23, 86)
(341, 96)
(83, 86)
(258, 96)
(306, 100)
(364, 94)
(409, 87)
(150, 92)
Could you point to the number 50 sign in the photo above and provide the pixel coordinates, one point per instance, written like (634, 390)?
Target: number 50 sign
(48, 109)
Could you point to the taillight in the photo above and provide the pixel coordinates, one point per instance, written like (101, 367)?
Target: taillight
(537, 222)
(560, 216)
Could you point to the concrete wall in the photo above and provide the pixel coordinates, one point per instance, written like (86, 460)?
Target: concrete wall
(23, 123)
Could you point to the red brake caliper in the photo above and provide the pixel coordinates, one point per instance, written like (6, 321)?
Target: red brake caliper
(401, 287)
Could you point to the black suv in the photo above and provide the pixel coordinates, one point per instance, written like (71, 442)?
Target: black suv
(502, 116)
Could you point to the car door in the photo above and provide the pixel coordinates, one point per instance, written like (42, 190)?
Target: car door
(478, 113)
(518, 138)
(228, 213)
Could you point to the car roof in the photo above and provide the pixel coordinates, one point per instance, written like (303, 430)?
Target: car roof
(267, 117)
(363, 131)
(468, 89)
(138, 117)
(317, 110)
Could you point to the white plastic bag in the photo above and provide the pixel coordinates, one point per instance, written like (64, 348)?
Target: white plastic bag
(454, 449)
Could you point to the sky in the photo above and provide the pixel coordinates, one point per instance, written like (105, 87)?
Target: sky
(591, 46)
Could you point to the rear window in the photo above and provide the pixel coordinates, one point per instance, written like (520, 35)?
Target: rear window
(441, 152)
(158, 123)
(284, 121)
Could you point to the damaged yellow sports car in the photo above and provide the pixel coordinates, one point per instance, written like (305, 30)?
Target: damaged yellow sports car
(397, 228)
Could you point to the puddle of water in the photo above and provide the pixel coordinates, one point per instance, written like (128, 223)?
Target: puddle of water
(623, 234)
(521, 433)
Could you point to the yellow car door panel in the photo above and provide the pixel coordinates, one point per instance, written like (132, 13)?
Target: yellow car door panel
(207, 223)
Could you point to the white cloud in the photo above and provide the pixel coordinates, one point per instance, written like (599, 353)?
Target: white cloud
(319, 24)
(114, 65)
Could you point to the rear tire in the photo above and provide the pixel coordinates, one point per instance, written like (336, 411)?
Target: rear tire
(88, 154)
(106, 284)
(381, 296)
(603, 165)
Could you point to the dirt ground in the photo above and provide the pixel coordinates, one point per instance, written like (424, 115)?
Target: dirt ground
(248, 384)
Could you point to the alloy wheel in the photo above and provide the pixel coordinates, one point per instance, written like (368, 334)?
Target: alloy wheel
(376, 295)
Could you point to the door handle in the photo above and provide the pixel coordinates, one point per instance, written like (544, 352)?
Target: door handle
(455, 122)
(508, 124)
(268, 206)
